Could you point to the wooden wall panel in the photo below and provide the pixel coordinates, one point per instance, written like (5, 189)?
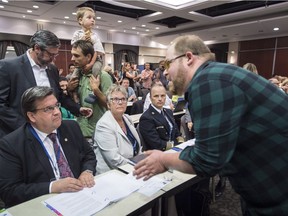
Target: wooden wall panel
(263, 59)
(281, 62)
(257, 44)
(282, 42)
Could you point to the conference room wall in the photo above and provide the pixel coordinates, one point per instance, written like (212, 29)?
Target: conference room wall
(269, 55)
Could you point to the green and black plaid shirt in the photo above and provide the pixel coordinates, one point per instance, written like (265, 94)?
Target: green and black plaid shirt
(241, 128)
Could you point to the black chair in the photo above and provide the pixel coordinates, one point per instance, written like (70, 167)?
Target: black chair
(143, 144)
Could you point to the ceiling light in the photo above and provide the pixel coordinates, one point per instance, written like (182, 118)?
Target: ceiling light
(134, 28)
(124, 30)
(1, 6)
(74, 13)
(147, 30)
(98, 17)
(157, 28)
(276, 29)
(143, 25)
(137, 32)
(97, 26)
(119, 21)
(66, 17)
(23, 16)
(29, 11)
(35, 6)
(5, 1)
(64, 22)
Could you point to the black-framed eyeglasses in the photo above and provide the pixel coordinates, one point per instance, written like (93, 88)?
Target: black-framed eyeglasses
(168, 62)
(118, 100)
(50, 109)
(51, 55)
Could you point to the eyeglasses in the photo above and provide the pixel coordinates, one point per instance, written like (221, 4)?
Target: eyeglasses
(51, 55)
(168, 62)
(118, 100)
(50, 109)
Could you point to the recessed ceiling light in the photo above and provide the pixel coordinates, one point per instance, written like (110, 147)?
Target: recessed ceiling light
(147, 30)
(98, 17)
(124, 30)
(64, 22)
(133, 27)
(74, 13)
(157, 28)
(5, 1)
(119, 21)
(29, 11)
(23, 16)
(143, 25)
(35, 6)
(66, 17)
(1, 6)
(97, 26)
(276, 29)
(137, 32)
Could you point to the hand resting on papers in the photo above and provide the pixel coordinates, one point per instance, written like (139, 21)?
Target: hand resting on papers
(150, 166)
(69, 184)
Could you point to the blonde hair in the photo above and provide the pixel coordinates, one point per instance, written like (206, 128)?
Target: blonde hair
(193, 44)
(251, 67)
(81, 11)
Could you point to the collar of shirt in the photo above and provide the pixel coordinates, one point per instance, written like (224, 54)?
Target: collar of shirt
(158, 110)
(42, 135)
(32, 62)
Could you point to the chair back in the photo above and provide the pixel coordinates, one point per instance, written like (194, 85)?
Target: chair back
(143, 144)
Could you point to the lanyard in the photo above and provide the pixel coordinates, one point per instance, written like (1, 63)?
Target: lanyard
(45, 150)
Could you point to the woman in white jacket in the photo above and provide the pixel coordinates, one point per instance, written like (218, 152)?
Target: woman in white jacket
(115, 136)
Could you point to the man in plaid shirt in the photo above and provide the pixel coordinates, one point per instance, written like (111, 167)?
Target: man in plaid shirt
(241, 128)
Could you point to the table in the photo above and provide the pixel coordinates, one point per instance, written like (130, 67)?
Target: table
(180, 181)
(134, 204)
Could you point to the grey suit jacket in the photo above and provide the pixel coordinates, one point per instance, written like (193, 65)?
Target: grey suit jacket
(25, 170)
(16, 76)
(113, 146)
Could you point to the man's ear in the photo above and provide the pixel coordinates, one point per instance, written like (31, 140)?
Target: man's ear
(31, 117)
(190, 58)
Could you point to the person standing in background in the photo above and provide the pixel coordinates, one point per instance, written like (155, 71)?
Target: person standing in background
(82, 53)
(34, 68)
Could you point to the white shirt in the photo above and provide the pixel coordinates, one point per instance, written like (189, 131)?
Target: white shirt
(40, 73)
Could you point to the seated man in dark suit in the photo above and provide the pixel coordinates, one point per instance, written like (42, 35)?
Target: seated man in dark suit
(157, 125)
(45, 155)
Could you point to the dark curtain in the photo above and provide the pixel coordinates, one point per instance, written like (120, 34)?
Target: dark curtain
(132, 57)
(3, 49)
(118, 60)
(20, 48)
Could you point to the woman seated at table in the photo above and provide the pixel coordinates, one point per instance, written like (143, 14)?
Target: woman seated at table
(115, 135)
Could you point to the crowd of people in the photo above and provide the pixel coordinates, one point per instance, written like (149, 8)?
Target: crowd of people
(53, 129)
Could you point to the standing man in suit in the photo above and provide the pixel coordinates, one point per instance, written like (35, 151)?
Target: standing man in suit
(157, 125)
(32, 163)
(33, 68)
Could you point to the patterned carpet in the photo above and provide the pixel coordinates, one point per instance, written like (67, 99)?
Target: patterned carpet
(226, 205)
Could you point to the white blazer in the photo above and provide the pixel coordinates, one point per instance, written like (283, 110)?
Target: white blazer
(113, 146)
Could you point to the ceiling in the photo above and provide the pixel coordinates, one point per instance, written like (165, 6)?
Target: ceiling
(213, 21)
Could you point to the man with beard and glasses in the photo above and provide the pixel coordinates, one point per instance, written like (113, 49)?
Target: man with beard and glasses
(240, 124)
(33, 68)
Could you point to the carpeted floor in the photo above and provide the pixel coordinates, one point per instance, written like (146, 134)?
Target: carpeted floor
(226, 205)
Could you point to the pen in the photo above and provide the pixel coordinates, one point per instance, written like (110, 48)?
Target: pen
(124, 171)
(53, 209)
